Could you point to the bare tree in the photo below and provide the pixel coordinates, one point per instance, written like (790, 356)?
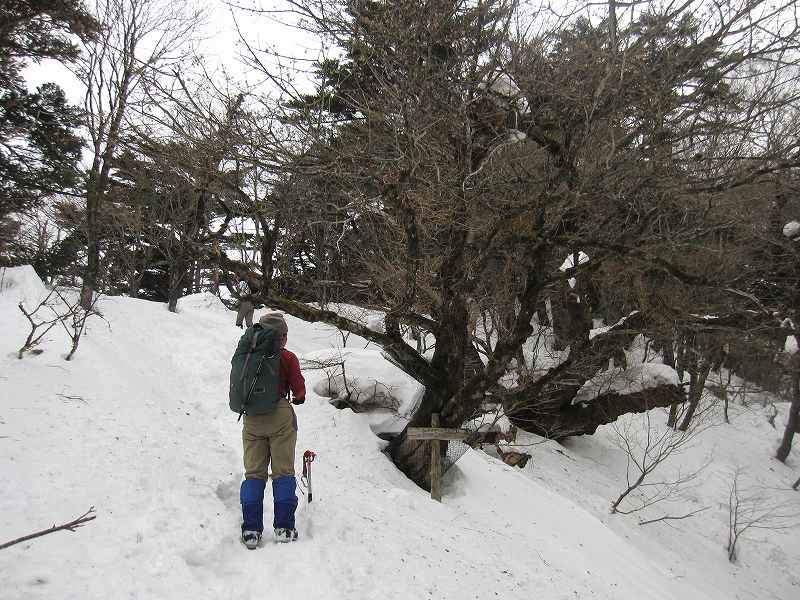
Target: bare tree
(447, 146)
(792, 341)
(754, 508)
(647, 446)
(793, 417)
(38, 235)
(139, 40)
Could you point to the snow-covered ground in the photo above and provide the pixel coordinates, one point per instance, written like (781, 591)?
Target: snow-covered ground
(137, 425)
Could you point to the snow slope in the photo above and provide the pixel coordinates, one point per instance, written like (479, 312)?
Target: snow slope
(137, 426)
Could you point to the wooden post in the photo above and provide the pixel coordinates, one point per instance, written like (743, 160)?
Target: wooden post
(437, 434)
(436, 463)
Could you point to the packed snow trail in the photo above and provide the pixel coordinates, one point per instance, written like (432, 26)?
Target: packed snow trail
(138, 426)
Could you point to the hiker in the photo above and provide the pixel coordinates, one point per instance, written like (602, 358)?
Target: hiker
(246, 306)
(269, 431)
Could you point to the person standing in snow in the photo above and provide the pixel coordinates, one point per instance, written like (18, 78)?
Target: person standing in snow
(269, 440)
(246, 306)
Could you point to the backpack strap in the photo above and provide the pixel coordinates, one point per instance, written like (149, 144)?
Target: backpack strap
(253, 344)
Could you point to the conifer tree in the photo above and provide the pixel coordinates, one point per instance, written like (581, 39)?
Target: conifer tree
(39, 147)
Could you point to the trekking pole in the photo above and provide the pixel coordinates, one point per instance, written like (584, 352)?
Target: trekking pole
(253, 344)
(308, 458)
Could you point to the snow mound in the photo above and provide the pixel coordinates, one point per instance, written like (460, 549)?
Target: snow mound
(569, 262)
(496, 421)
(144, 403)
(22, 284)
(790, 347)
(631, 380)
(376, 323)
(203, 302)
(369, 382)
(605, 328)
(515, 136)
(792, 230)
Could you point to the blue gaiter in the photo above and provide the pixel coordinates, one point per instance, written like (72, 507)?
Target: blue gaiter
(283, 491)
(251, 495)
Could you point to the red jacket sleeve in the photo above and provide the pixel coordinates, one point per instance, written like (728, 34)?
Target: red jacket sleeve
(291, 377)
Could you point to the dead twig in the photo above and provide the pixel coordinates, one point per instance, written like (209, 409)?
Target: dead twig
(671, 518)
(65, 397)
(89, 515)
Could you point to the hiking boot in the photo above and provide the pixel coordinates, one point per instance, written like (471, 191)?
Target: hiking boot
(251, 539)
(283, 535)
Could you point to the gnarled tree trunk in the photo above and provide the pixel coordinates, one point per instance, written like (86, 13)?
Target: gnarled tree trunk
(793, 421)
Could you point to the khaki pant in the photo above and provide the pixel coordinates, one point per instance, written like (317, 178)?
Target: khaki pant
(270, 438)
(245, 313)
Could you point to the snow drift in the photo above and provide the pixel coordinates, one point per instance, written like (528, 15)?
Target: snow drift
(137, 425)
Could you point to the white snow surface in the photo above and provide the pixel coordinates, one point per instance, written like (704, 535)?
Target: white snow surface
(792, 230)
(635, 378)
(790, 346)
(368, 382)
(21, 284)
(569, 262)
(137, 425)
(515, 136)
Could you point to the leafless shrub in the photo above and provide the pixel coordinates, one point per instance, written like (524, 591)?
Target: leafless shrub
(74, 318)
(70, 314)
(381, 398)
(755, 508)
(37, 324)
(331, 366)
(355, 396)
(648, 445)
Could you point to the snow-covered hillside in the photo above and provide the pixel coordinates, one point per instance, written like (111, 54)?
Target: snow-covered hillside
(137, 425)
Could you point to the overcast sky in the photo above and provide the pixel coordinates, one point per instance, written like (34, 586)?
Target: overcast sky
(219, 45)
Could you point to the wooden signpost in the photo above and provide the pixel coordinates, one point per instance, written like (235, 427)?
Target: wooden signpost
(436, 435)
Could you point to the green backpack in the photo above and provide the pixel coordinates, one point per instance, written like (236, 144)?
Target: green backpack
(255, 372)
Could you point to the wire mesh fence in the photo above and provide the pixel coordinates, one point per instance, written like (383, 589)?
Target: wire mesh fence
(455, 450)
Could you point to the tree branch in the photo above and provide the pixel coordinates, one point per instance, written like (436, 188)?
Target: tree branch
(584, 418)
(671, 518)
(407, 358)
(89, 515)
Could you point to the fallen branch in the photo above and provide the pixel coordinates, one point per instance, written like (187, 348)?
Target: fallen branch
(71, 526)
(671, 518)
(65, 397)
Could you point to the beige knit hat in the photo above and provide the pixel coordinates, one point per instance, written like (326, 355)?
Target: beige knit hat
(274, 320)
